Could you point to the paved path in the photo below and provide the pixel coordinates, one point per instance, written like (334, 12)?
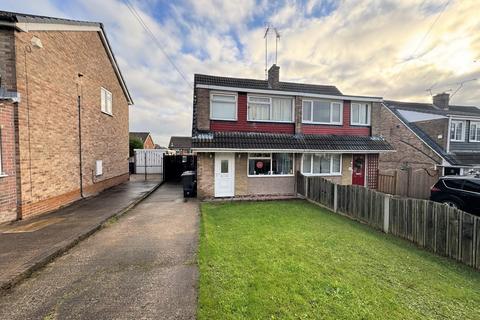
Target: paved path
(140, 267)
(29, 243)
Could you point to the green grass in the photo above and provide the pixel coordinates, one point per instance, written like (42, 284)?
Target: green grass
(294, 260)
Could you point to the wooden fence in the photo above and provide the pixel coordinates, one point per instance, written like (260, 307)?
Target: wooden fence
(433, 226)
(412, 183)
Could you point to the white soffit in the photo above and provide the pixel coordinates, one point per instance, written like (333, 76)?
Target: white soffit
(414, 116)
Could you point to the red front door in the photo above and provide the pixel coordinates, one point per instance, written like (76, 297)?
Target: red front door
(358, 174)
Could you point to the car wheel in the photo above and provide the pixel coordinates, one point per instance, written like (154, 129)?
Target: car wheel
(451, 203)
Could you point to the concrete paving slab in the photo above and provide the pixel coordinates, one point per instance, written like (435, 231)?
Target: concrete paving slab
(29, 244)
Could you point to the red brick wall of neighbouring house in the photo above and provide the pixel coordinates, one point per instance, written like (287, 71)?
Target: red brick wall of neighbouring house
(243, 125)
(148, 144)
(344, 129)
(48, 119)
(8, 190)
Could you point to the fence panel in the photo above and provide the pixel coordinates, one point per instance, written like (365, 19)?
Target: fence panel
(466, 238)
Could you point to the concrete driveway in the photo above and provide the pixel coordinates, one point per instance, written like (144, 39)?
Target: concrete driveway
(142, 266)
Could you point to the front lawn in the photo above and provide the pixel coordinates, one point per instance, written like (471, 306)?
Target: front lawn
(294, 260)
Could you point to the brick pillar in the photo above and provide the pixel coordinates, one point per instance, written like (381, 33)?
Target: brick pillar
(298, 115)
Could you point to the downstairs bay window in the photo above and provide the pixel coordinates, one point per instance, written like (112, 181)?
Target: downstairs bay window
(322, 164)
(270, 164)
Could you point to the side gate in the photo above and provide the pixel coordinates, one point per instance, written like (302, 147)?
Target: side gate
(149, 161)
(175, 165)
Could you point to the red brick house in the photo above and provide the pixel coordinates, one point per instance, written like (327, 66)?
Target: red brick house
(63, 114)
(252, 136)
(145, 137)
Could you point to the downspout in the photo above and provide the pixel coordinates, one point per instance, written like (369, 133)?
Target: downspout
(448, 133)
(79, 104)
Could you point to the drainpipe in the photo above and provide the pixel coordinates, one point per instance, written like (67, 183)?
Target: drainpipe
(448, 133)
(79, 104)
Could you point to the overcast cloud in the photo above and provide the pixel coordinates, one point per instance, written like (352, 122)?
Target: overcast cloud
(380, 48)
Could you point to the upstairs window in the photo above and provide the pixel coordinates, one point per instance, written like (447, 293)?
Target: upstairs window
(223, 106)
(322, 164)
(457, 130)
(106, 101)
(322, 112)
(360, 114)
(272, 109)
(475, 131)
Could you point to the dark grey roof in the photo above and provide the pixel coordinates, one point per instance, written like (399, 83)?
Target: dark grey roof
(430, 108)
(456, 159)
(139, 135)
(180, 143)
(277, 141)
(263, 85)
(23, 17)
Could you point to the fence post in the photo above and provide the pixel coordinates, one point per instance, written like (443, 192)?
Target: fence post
(306, 187)
(386, 213)
(335, 198)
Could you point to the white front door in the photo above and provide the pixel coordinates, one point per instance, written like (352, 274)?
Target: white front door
(224, 174)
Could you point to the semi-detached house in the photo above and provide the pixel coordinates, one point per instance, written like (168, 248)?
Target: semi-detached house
(63, 114)
(252, 136)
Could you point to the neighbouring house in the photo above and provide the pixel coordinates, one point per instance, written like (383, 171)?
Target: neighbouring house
(180, 145)
(252, 136)
(63, 114)
(145, 137)
(431, 139)
(430, 135)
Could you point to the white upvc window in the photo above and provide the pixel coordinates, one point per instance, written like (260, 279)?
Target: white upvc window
(270, 109)
(223, 106)
(360, 114)
(457, 130)
(322, 164)
(106, 101)
(322, 112)
(475, 131)
(270, 164)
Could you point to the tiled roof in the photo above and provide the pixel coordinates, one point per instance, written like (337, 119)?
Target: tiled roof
(430, 108)
(263, 85)
(180, 143)
(272, 141)
(139, 135)
(30, 18)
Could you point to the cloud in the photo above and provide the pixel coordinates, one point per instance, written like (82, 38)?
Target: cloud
(370, 47)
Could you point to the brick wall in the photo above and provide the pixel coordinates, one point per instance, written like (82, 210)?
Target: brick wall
(8, 191)
(241, 179)
(435, 129)
(48, 119)
(205, 175)
(149, 143)
(409, 148)
(7, 58)
(202, 109)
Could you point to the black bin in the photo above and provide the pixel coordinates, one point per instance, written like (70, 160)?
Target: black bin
(189, 181)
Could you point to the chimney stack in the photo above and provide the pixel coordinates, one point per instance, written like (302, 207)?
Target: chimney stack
(273, 76)
(441, 100)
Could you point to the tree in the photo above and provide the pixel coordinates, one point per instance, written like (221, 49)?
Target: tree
(135, 143)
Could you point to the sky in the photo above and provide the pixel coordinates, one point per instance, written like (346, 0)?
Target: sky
(396, 49)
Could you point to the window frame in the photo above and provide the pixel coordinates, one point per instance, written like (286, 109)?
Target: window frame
(270, 99)
(477, 127)
(331, 174)
(104, 103)
(218, 93)
(331, 113)
(463, 130)
(271, 165)
(369, 114)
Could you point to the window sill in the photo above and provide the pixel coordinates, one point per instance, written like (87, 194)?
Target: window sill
(3, 175)
(324, 123)
(108, 114)
(270, 175)
(322, 174)
(457, 140)
(271, 121)
(360, 125)
(231, 120)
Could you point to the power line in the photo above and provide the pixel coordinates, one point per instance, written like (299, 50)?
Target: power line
(157, 42)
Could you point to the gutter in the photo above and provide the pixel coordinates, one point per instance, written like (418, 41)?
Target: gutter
(290, 150)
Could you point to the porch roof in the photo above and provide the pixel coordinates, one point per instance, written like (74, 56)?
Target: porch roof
(251, 141)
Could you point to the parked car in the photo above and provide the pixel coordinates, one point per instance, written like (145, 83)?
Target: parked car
(462, 192)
